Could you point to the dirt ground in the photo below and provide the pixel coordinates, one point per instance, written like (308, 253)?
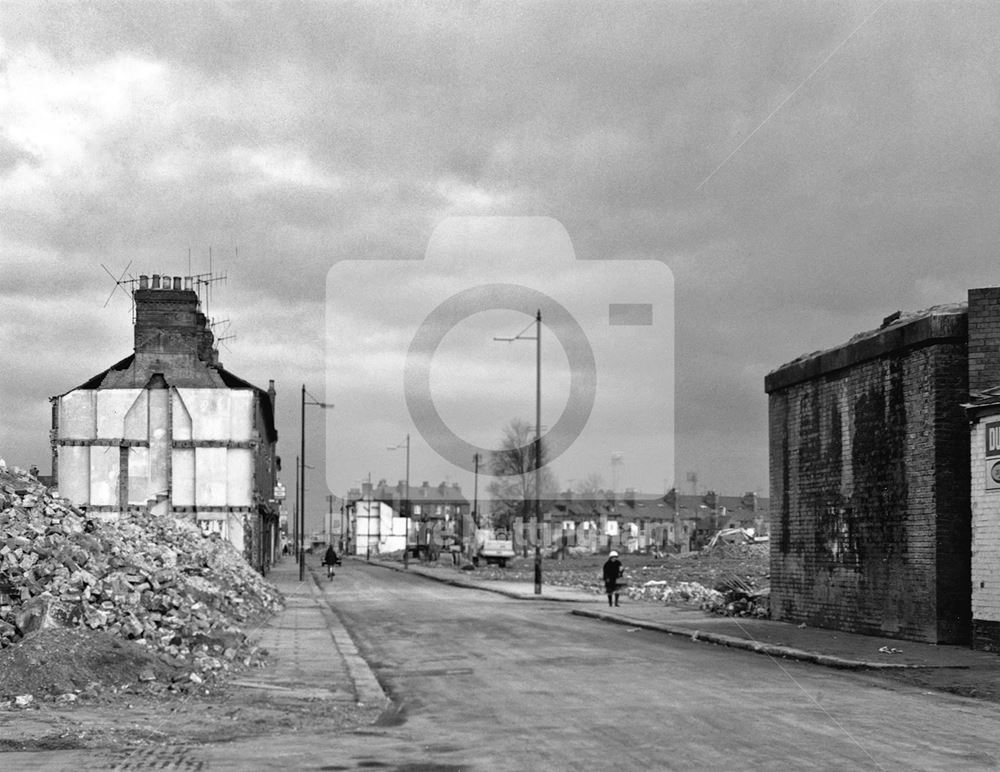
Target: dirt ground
(132, 721)
(749, 563)
(75, 688)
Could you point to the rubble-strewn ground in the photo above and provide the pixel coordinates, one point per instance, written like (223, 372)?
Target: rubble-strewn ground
(721, 579)
(67, 664)
(152, 579)
(131, 720)
(114, 634)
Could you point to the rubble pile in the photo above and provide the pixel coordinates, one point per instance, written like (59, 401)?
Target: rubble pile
(742, 551)
(732, 598)
(661, 591)
(67, 664)
(153, 580)
(742, 598)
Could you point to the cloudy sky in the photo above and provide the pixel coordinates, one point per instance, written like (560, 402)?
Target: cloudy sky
(802, 170)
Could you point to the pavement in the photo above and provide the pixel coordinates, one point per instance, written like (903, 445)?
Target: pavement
(820, 646)
(311, 653)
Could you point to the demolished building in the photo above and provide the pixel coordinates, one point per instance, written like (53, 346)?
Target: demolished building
(169, 430)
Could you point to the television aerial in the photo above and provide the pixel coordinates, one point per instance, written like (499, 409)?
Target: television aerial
(121, 283)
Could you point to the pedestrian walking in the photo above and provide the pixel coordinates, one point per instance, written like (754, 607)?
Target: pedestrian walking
(613, 573)
(330, 560)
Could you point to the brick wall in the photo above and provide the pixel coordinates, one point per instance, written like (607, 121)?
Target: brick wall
(952, 499)
(869, 493)
(984, 340)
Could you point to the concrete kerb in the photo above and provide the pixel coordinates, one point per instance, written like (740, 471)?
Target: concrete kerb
(366, 687)
(771, 650)
(473, 585)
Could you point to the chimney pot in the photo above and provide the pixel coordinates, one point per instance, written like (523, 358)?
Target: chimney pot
(188, 282)
(178, 282)
(143, 281)
(156, 281)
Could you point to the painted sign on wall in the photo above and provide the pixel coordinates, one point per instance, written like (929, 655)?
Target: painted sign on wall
(991, 436)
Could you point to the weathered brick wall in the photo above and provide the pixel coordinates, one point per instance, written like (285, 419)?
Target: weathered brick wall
(869, 493)
(984, 326)
(952, 499)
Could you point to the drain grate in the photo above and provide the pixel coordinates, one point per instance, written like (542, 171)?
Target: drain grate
(166, 757)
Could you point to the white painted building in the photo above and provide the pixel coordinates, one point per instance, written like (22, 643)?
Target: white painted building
(168, 429)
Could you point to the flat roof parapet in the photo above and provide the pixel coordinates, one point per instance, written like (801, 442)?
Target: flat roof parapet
(940, 324)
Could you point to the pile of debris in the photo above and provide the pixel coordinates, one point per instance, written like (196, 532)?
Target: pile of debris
(69, 664)
(681, 592)
(732, 597)
(154, 580)
(742, 598)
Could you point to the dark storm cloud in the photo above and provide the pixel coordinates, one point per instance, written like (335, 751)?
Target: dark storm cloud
(863, 178)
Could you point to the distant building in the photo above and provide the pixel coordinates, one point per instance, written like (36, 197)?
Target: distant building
(378, 521)
(636, 522)
(701, 516)
(168, 429)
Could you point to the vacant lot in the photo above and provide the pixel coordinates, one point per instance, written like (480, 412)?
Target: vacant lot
(747, 564)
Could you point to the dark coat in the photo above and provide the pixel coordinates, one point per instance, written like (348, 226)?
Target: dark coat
(330, 558)
(613, 571)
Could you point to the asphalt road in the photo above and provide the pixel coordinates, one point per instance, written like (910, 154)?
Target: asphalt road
(483, 682)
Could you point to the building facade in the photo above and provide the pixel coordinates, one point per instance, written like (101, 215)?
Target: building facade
(983, 411)
(632, 521)
(378, 522)
(169, 430)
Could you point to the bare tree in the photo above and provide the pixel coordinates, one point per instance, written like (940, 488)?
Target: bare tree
(513, 467)
(590, 486)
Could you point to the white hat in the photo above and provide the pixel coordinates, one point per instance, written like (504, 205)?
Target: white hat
(613, 554)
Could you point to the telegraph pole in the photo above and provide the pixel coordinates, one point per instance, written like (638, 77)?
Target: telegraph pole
(538, 440)
(475, 490)
(538, 452)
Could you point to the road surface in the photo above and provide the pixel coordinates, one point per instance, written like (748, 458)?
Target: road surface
(480, 681)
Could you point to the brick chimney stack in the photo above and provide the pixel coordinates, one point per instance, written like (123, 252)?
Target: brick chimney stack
(168, 320)
(984, 338)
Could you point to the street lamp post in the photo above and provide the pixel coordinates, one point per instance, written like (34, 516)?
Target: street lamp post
(329, 519)
(538, 440)
(475, 490)
(302, 509)
(295, 514)
(406, 502)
